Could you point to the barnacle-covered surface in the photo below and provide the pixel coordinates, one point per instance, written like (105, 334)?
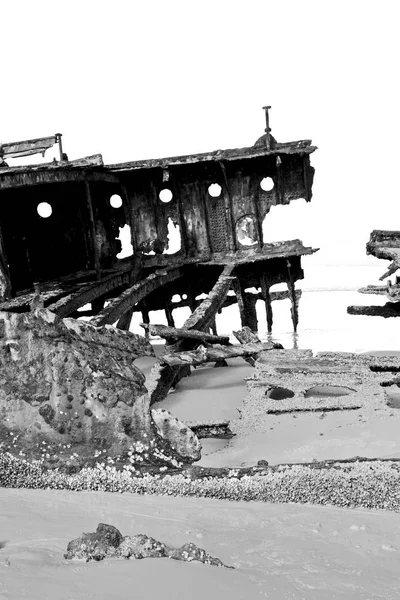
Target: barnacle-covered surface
(71, 395)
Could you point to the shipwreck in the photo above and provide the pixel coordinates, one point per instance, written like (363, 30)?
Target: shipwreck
(60, 259)
(384, 245)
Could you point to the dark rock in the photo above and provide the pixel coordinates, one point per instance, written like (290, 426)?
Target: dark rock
(107, 542)
(262, 463)
(102, 544)
(141, 546)
(189, 552)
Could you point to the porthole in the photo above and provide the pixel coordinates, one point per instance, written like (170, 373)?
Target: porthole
(267, 184)
(116, 201)
(215, 190)
(165, 195)
(246, 231)
(44, 210)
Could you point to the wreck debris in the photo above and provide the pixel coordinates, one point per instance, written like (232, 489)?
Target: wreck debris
(213, 353)
(173, 333)
(287, 381)
(211, 429)
(385, 245)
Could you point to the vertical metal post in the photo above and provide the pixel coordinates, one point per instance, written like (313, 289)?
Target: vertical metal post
(58, 138)
(293, 297)
(268, 128)
(267, 299)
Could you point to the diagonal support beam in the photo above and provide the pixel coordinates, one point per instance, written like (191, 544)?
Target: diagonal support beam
(119, 306)
(203, 316)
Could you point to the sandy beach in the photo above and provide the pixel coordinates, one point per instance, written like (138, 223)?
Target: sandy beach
(278, 551)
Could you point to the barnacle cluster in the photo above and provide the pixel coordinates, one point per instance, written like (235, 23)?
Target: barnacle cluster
(368, 484)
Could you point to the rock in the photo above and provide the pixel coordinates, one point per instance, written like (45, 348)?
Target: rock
(107, 542)
(104, 543)
(69, 391)
(262, 463)
(178, 434)
(189, 552)
(141, 546)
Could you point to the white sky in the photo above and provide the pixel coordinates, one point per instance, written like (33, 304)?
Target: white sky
(143, 79)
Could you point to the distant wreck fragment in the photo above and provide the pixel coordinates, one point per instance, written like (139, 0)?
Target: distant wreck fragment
(195, 239)
(385, 245)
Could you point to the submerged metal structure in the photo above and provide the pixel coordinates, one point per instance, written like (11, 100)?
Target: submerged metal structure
(60, 224)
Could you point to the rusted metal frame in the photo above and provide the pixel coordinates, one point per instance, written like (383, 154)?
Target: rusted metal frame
(233, 243)
(134, 294)
(293, 298)
(30, 178)
(207, 214)
(96, 256)
(247, 306)
(145, 318)
(204, 314)
(200, 320)
(128, 215)
(4, 269)
(125, 321)
(280, 192)
(258, 220)
(183, 230)
(305, 178)
(168, 314)
(265, 286)
(68, 304)
(294, 147)
(229, 300)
